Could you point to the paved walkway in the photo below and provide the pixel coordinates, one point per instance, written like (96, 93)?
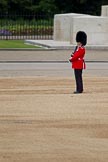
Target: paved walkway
(62, 44)
(50, 69)
(50, 55)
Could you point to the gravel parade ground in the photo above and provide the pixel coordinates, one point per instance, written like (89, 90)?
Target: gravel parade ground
(41, 120)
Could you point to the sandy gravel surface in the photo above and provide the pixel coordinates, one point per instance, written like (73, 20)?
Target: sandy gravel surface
(41, 120)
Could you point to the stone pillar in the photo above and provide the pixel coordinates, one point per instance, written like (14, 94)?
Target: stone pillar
(104, 10)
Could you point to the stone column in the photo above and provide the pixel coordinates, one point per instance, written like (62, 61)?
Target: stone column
(104, 10)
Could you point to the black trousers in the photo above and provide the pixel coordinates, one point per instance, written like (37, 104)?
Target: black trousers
(78, 79)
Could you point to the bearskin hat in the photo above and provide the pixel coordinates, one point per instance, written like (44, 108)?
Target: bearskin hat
(81, 36)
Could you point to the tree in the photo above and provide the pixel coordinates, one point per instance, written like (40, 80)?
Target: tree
(52, 6)
(79, 6)
(47, 6)
(17, 6)
(3, 6)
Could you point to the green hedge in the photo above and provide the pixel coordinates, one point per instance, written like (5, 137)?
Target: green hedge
(21, 27)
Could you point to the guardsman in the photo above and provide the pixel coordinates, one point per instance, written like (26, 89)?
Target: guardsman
(77, 60)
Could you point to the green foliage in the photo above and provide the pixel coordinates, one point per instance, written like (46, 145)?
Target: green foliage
(50, 7)
(47, 6)
(3, 6)
(26, 27)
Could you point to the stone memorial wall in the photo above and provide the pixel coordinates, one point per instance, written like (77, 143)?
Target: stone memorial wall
(96, 27)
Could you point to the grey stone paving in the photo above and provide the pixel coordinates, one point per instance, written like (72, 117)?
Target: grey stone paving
(51, 55)
(49, 69)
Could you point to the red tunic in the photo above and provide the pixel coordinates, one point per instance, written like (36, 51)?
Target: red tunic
(78, 58)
